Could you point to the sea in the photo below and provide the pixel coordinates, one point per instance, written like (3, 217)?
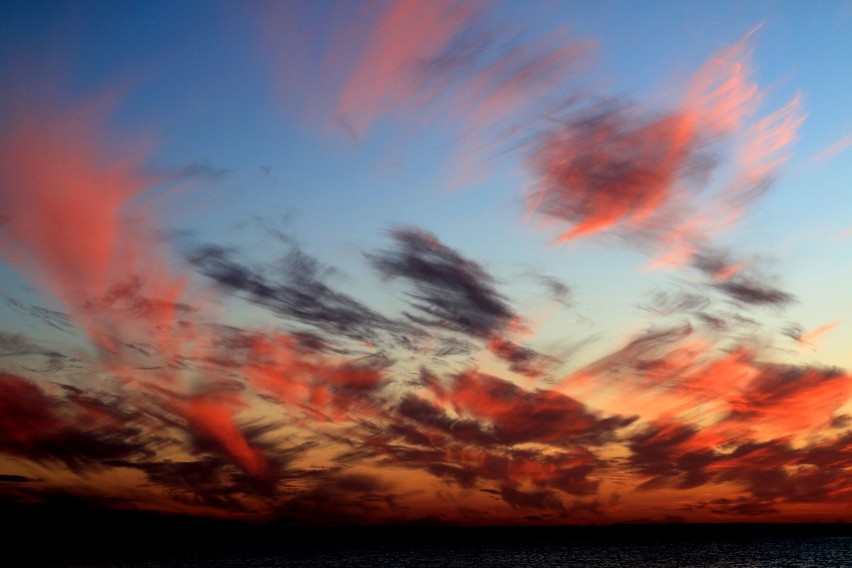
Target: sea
(731, 552)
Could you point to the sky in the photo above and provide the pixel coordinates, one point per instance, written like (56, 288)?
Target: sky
(477, 263)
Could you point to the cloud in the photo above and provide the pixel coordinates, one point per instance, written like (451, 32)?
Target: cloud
(431, 415)
(615, 166)
(295, 290)
(841, 421)
(76, 431)
(8, 478)
(60, 176)
(810, 337)
(322, 386)
(183, 396)
(751, 445)
(608, 166)
(15, 344)
(649, 346)
(215, 482)
(475, 435)
(518, 499)
(777, 472)
(815, 393)
(664, 452)
(452, 346)
(718, 265)
(203, 170)
(53, 318)
(460, 64)
(493, 469)
(740, 280)
(209, 481)
(456, 294)
(450, 291)
(741, 506)
(559, 290)
(772, 472)
(676, 374)
(405, 35)
(568, 472)
(666, 303)
(518, 415)
(336, 497)
(55, 166)
(521, 360)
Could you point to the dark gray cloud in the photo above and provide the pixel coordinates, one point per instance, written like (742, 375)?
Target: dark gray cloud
(676, 302)
(771, 472)
(9, 478)
(559, 290)
(45, 428)
(203, 169)
(295, 289)
(33, 357)
(53, 318)
(452, 346)
(450, 291)
(337, 497)
(15, 344)
(739, 279)
(542, 499)
(714, 263)
(755, 292)
(516, 415)
(521, 360)
(611, 165)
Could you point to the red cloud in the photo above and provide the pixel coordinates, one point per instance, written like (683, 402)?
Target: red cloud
(617, 167)
(73, 430)
(210, 418)
(66, 198)
(73, 225)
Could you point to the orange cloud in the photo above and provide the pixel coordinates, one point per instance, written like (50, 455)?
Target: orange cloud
(210, 418)
(66, 199)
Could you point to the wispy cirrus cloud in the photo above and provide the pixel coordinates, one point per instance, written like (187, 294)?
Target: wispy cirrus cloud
(448, 62)
(451, 291)
(330, 406)
(615, 166)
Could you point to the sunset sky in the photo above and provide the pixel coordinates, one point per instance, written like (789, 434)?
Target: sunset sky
(423, 260)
